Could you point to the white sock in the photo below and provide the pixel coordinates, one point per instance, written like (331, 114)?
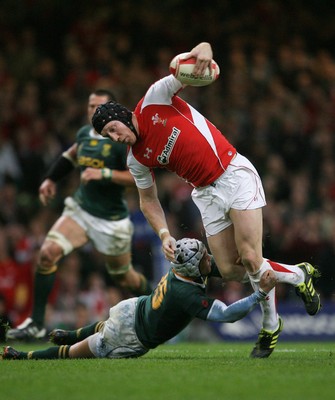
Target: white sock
(270, 315)
(287, 273)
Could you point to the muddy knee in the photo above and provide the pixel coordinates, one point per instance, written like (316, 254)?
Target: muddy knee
(50, 254)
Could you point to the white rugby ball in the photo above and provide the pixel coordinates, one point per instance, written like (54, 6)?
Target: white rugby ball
(183, 71)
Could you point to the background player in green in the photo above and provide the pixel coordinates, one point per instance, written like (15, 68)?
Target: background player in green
(97, 212)
(139, 324)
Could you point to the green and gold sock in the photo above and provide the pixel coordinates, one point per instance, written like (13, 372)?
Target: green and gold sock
(82, 333)
(43, 285)
(48, 354)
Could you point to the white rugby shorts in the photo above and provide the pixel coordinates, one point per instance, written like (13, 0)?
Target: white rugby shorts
(109, 237)
(118, 338)
(239, 187)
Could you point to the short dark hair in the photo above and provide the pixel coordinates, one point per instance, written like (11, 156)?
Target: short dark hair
(105, 92)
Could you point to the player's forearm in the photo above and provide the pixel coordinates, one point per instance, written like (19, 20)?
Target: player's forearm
(153, 211)
(154, 214)
(62, 167)
(220, 312)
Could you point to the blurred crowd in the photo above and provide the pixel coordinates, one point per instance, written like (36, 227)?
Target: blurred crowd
(275, 101)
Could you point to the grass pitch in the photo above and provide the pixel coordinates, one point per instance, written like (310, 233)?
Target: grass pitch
(185, 371)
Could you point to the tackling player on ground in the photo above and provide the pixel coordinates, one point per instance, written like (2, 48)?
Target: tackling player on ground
(139, 324)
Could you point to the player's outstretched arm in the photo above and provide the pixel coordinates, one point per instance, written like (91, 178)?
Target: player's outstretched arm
(220, 312)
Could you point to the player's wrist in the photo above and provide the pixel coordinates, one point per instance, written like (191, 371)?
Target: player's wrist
(162, 232)
(263, 293)
(106, 174)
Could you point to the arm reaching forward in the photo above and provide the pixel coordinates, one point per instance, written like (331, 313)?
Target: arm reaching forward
(220, 312)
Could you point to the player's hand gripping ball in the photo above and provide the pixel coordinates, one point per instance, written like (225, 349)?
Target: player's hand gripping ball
(183, 71)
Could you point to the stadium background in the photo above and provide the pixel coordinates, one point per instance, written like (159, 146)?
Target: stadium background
(275, 101)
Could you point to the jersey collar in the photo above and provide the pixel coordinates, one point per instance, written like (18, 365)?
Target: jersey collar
(187, 279)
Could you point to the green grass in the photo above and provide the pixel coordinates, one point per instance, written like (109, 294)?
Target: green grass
(181, 371)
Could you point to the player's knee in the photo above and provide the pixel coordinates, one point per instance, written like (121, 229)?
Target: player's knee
(49, 255)
(57, 245)
(120, 275)
(46, 269)
(250, 260)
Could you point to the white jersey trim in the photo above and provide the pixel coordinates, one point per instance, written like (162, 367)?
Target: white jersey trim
(142, 174)
(171, 87)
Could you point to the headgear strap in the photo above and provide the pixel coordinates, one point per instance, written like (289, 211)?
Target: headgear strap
(112, 111)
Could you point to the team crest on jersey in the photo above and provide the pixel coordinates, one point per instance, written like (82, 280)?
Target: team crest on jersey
(93, 142)
(106, 150)
(157, 120)
(147, 152)
(163, 158)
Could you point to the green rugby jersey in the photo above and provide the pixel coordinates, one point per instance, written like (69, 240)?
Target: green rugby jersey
(103, 199)
(169, 309)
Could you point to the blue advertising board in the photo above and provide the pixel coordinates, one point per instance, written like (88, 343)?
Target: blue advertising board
(298, 325)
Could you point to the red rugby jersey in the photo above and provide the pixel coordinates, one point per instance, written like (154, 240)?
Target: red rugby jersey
(175, 136)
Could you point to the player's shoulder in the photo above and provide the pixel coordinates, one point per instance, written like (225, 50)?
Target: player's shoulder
(134, 158)
(160, 92)
(84, 131)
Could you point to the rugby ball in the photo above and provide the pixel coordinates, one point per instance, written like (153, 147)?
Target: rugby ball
(183, 71)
